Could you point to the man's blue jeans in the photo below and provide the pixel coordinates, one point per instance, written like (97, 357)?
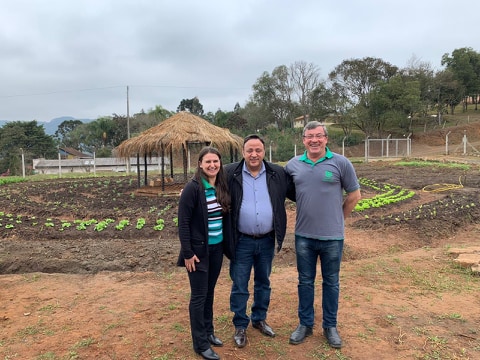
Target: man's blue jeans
(330, 254)
(256, 253)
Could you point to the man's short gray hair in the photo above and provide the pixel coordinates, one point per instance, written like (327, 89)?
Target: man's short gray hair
(313, 125)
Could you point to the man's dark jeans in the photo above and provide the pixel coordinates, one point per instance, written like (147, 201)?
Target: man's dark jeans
(330, 254)
(256, 253)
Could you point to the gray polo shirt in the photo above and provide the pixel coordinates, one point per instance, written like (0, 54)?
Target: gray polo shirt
(319, 191)
(256, 215)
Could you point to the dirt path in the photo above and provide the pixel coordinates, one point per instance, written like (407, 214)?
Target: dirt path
(397, 305)
(117, 295)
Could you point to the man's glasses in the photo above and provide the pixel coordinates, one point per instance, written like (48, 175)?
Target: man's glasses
(317, 136)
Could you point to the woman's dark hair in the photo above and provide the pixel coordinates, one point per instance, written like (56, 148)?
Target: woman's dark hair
(223, 196)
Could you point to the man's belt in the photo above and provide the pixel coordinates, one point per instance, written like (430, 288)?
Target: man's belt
(258, 236)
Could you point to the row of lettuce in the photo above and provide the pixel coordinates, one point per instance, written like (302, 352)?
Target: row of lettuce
(385, 194)
(8, 221)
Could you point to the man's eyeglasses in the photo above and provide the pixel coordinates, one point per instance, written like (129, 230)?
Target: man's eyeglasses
(317, 136)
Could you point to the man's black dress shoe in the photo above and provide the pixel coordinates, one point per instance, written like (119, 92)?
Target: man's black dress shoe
(300, 333)
(332, 337)
(240, 337)
(209, 354)
(264, 328)
(215, 341)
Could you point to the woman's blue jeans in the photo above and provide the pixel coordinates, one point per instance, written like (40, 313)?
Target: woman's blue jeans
(330, 253)
(256, 253)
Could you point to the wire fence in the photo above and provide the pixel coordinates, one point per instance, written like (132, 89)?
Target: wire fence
(388, 148)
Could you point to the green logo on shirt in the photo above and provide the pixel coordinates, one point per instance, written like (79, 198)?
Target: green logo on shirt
(328, 176)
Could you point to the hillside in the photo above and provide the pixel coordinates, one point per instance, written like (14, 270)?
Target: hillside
(432, 143)
(52, 125)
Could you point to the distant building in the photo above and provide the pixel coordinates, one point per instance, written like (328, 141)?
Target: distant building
(472, 100)
(87, 165)
(299, 122)
(71, 153)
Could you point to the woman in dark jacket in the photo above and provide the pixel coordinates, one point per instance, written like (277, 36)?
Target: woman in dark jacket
(204, 231)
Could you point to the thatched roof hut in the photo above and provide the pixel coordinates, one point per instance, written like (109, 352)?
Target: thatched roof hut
(179, 132)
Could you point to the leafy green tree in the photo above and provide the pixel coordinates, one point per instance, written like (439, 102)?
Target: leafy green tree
(357, 77)
(62, 135)
(323, 102)
(103, 133)
(422, 72)
(237, 107)
(28, 137)
(450, 92)
(353, 81)
(282, 144)
(393, 103)
(273, 94)
(121, 129)
(156, 116)
(238, 124)
(78, 136)
(220, 118)
(332, 101)
(210, 117)
(263, 97)
(192, 105)
(304, 79)
(464, 63)
(236, 121)
(282, 106)
(251, 119)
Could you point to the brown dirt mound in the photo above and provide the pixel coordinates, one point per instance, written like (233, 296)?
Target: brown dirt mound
(437, 137)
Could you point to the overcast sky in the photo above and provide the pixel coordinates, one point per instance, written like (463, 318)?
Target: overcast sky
(76, 58)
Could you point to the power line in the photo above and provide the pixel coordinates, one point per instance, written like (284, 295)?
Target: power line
(61, 91)
(121, 86)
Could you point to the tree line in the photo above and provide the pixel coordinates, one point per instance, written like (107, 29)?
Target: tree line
(368, 96)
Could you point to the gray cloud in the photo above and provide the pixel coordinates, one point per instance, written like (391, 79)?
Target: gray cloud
(71, 58)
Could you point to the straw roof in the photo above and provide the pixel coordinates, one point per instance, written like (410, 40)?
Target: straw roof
(177, 132)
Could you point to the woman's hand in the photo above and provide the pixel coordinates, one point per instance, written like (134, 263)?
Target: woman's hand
(190, 263)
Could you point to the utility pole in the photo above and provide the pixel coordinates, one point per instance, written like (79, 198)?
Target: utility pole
(23, 163)
(128, 130)
(128, 116)
(59, 162)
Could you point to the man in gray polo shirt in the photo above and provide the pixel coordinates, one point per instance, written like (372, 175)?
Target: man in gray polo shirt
(321, 177)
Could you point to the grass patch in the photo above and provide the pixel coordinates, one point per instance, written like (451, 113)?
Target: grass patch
(179, 327)
(84, 343)
(110, 327)
(50, 308)
(11, 180)
(388, 271)
(448, 279)
(32, 278)
(49, 355)
(33, 330)
(424, 163)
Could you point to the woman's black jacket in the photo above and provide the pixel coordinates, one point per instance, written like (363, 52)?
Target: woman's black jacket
(193, 226)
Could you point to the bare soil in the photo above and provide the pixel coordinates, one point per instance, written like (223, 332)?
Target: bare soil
(81, 291)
